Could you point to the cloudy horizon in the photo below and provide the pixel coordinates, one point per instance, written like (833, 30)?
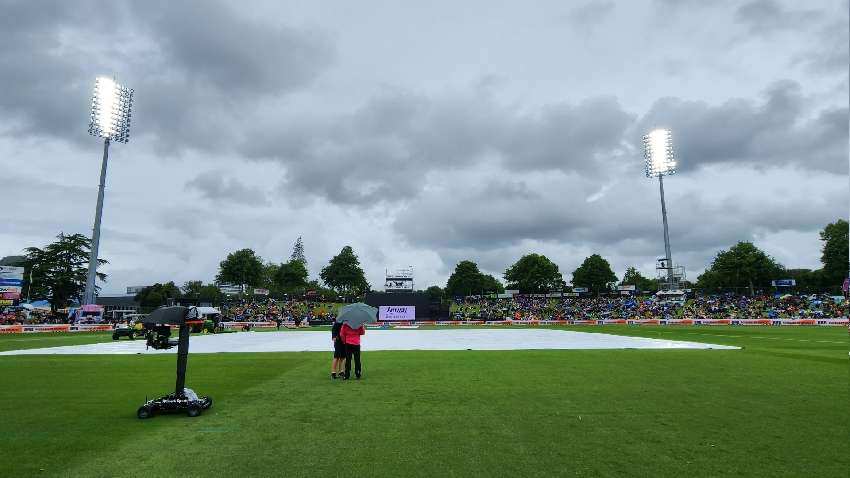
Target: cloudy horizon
(426, 134)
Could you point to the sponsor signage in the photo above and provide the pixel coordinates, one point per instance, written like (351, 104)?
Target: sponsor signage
(627, 287)
(5, 302)
(230, 289)
(261, 292)
(10, 296)
(9, 272)
(11, 329)
(579, 289)
(396, 312)
(783, 283)
(14, 282)
(135, 289)
(10, 288)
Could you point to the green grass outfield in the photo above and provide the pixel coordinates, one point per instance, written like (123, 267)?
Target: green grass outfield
(779, 407)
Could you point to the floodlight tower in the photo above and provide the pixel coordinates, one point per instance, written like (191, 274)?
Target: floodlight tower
(659, 162)
(110, 119)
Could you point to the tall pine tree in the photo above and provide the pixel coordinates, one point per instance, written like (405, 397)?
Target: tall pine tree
(298, 252)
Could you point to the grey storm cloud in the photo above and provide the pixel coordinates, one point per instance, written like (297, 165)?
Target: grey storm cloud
(831, 52)
(394, 140)
(778, 131)
(769, 16)
(188, 61)
(218, 186)
(590, 13)
(213, 44)
(466, 217)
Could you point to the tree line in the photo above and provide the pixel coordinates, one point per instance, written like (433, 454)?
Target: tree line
(341, 278)
(742, 268)
(58, 272)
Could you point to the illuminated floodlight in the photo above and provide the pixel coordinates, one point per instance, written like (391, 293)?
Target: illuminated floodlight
(658, 153)
(111, 110)
(110, 119)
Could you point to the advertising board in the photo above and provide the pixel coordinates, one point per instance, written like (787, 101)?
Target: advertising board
(396, 312)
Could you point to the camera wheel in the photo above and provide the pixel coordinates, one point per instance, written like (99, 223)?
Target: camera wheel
(144, 412)
(114, 336)
(207, 403)
(132, 336)
(193, 411)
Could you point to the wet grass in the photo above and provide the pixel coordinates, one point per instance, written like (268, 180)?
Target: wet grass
(775, 408)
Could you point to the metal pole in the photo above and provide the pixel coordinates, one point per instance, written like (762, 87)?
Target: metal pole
(666, 233)
(29, 289)
(182, 358)
(95, 238)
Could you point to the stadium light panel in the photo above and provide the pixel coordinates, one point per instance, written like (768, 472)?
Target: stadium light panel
(658, 153)
(111, 110)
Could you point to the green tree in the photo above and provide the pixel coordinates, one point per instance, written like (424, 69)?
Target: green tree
(270, 272)
(834, 254)
(298, 252)
(158, 294)
(242, 267)
(435, 293)
(328, 295)
(491, 285)
(641, 283)
(197, 292)
(594, 273)
(343, 273)
(14, 261)
(291, 276)
(534, 274)
(59, 270)
(808, 281)
(191, 290)
(742, 266)
(465, 280)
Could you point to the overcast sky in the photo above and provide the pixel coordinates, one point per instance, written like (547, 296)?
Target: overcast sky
(424, 133)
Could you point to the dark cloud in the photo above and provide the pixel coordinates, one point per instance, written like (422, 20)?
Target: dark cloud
(383, 150)
(390, 145)
(763, 17)
(45, 82)
(830, 52)
(211, 43)
(472, 219)
(590, 14)
(187, 61)
(218, 186)
(778, 131)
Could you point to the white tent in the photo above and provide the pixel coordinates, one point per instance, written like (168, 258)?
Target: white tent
(205, 311)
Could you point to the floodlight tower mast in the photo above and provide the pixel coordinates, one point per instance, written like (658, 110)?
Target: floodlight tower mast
(110, 120)
(660, 161)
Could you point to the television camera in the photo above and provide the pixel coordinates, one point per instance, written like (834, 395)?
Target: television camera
(157, 330)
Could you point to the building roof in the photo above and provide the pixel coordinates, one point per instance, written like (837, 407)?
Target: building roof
(113, 300)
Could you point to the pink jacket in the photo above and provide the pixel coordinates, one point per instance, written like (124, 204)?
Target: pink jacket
(351, 336)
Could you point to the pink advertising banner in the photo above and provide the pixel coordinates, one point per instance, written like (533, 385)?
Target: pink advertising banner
(396, 312)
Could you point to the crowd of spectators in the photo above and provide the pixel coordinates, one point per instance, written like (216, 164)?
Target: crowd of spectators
(270, 310)
(524, 307)
(727, 306)
(18, 315)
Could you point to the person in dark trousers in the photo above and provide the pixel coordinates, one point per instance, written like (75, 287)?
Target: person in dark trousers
(339, 351)
(351, 337)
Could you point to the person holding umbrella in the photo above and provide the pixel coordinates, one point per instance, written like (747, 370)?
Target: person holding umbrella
(353, 318)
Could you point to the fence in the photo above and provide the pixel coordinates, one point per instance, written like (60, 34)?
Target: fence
(827, 322)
